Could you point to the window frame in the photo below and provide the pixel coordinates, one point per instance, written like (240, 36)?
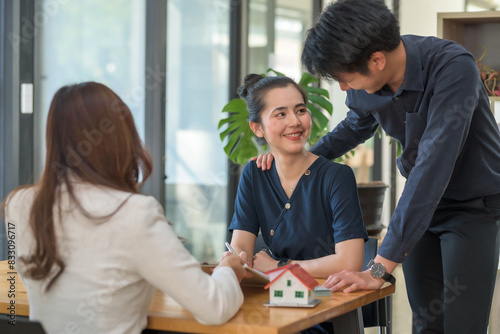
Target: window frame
(299, 294)
(16, 67)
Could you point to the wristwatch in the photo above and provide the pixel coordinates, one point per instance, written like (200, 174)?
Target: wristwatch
(284, 262)
(377, 270)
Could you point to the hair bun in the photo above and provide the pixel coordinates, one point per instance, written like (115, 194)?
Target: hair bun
(248, 82)
(252, 78)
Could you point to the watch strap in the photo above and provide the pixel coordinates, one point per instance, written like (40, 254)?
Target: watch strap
(389, 278)
(284, 262)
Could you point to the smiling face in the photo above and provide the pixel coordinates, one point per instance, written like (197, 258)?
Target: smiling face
(285, 121)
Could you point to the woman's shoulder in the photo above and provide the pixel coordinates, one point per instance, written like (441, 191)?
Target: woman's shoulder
(250, 170)
(20, 199)
(250, 167)
(17, 206)
(332, 166)
(105, 196)
(333, 173)
(142, 201)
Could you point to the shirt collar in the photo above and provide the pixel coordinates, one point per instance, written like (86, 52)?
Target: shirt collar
(413, 72)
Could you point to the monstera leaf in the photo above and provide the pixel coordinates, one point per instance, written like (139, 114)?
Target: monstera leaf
(242, 144)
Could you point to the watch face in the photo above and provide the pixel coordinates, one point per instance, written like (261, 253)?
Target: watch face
(377, 270)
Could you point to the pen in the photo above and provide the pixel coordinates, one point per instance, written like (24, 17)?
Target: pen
(229, 248)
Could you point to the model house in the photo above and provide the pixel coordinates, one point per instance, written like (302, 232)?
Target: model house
(290, 285)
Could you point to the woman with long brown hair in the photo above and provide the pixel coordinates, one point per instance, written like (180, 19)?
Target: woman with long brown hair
(92, 249)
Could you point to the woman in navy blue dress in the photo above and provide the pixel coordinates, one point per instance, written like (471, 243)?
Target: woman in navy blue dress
(306, 207)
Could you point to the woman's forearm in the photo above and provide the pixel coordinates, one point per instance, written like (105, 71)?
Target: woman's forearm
(348, 256)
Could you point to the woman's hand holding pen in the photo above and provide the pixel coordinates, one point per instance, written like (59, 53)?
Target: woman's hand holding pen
(236, 263)
(261, 261)
(243, 256)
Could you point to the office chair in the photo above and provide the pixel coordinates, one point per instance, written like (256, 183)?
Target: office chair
(378, 313)
(23, 325)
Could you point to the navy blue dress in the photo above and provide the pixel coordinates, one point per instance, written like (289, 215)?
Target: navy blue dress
(323, 210)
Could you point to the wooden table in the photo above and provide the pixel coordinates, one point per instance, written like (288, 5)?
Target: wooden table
(165, 314)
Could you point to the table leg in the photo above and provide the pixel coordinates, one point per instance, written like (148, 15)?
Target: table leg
(495, 308)
(349, 323)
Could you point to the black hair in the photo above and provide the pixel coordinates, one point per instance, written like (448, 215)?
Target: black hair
(256, 86)
(347, 34)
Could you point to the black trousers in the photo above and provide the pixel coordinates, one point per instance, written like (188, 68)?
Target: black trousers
(450, 274)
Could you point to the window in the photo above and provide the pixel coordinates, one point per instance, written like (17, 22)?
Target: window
(278, 293)
(95, 40)
(299, 294)
(278, 45)
(105, 41)
(288, 282)
(197, 90)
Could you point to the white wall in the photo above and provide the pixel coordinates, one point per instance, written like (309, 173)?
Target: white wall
(420, 17)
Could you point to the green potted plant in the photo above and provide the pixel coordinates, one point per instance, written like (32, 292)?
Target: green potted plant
(240, 143)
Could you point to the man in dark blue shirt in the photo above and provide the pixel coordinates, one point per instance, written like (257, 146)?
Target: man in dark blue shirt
(426, 93)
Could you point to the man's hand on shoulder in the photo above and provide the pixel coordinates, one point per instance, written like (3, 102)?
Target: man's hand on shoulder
(264, 161)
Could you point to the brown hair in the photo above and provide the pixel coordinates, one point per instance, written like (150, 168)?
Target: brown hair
(90, 136)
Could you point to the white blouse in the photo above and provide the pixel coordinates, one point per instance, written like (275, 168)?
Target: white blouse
(114, 265)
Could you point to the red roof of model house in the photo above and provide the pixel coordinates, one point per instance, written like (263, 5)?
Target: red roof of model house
(299, 272)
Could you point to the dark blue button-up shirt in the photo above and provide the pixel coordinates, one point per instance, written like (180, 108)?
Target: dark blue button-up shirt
(322, 211)
(442, 118)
